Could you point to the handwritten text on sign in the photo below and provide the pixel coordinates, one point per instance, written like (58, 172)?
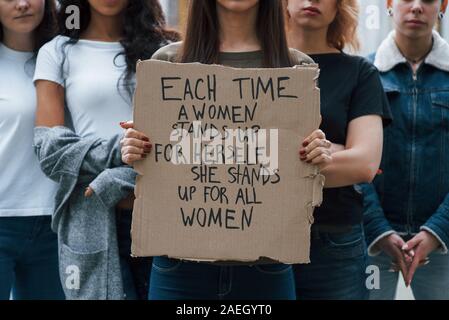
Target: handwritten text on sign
(225, 156)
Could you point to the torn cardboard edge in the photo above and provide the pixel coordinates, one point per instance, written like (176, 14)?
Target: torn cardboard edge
(318, 179)
(297, 66)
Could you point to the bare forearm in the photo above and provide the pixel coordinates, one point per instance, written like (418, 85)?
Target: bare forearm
(349, 167)
(360, 159)
(47, 117)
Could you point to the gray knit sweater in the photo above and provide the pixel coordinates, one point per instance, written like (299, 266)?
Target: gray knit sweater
(89, 262)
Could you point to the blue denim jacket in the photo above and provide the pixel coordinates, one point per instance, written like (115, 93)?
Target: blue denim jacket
(412, 193)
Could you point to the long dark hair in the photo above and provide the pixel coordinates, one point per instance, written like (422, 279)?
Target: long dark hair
(46, 30)
(202, 43)
(144, 30)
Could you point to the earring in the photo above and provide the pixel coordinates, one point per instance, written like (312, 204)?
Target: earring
(441, 15)
(390, 12)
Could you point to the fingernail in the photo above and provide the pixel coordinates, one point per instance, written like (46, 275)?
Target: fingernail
(405, 247)
(302, 152)
(145, 139)
(309, 161)
(122, 123)
(148, 145)
(305, 144)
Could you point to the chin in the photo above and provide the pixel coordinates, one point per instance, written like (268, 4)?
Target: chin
(109, 7)
(309, 23)
(238, 5)
(109, 12)
(25, 28)
(415, 33)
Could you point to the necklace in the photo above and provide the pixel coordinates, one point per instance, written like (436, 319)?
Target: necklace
(416, 61)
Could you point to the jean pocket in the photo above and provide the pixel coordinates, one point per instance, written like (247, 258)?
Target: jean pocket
(344, 245)
(343, 240)
(440, 109)
(83, 275)
(273, 269)
(440, 99)
(164, 264)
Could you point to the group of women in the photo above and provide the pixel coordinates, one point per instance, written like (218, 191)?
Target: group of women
(66, 143)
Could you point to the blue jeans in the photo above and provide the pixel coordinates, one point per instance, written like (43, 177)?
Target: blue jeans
(338, 267)
(173, 279)
(430, 282)
(135, 274)
(29, 259)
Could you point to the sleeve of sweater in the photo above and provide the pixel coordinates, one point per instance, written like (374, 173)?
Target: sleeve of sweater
(114, 184)
(61, 151)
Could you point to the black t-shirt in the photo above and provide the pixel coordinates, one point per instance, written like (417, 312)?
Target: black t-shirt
(350, 88)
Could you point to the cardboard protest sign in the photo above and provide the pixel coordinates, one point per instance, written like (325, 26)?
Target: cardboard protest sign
(224, 181)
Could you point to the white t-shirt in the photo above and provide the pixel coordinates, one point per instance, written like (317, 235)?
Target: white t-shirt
(90, 72)
(24, 189)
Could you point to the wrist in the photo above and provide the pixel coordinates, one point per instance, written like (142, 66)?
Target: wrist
(337, 148)
(435, 243)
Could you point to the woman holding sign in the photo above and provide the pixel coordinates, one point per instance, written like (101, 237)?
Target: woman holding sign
(28, 246)
(90, 69)
(245, 34)
(353, 105)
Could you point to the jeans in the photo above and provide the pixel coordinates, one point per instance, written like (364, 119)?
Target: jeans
(338, 267)
(173, 279)
(135, 274)
(430, 282)
(29, 259)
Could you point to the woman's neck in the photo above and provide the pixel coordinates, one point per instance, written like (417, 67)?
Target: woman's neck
(238, 32)
(19, 41)
(414, 49)
(104, 28)
(309, 41)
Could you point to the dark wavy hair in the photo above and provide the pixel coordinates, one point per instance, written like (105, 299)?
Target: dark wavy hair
(202, 43)
(46, 30)
(144, 30)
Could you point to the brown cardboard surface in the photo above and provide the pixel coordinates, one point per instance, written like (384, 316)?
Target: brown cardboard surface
(251, 218)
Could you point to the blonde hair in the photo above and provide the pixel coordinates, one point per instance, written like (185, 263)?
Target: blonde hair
(342, 32)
